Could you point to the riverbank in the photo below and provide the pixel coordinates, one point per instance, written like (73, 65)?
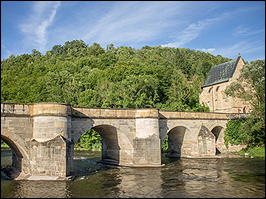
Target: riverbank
(253, 152)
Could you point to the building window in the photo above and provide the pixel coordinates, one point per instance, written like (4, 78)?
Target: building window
(217, 88)
(210, 89)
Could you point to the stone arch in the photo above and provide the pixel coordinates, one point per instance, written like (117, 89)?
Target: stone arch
(81, 132)
(218, 139)
(110, 143)
(175, 141)
(20, 158)
(114, 142)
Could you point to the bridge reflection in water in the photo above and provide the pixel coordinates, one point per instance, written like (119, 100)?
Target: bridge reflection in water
(185, 177)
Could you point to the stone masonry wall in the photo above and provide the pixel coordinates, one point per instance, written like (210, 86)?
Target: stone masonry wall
(46, 133)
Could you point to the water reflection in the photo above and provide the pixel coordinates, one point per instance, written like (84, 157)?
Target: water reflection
(216, 178)
(140, 182)
(33, 189)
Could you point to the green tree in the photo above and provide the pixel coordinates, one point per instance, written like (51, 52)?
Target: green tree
(179, 92)
(250, 87)
(138, 91)
(206, 67)
(90, 140)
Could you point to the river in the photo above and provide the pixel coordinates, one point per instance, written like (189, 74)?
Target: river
(229, 176)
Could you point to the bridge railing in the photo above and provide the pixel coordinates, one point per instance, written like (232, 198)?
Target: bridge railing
(235, 116)
(114, 113)
(24, 109)
(192, 115)
(15, 108)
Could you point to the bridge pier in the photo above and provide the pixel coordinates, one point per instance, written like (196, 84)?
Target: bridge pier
(146, 144)
(51, 149)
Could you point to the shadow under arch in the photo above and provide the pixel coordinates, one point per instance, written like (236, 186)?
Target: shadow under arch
(20, 158)
(110, 145)
(216, 132)
(17, 157)
(175, 141)
(109, 140)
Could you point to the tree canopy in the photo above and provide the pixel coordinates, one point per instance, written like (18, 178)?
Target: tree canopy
(151, 77)
(123, 77)
(250, 86)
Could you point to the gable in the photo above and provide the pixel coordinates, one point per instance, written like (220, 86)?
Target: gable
(221, 73)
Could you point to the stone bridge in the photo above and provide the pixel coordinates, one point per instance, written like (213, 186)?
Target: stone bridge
(42, 135)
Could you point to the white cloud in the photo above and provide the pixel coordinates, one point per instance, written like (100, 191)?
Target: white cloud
(241, 31)
(193, 31)
(35, 27)
(208, 26)
(133, 22)
(246, 49)
(210, 50)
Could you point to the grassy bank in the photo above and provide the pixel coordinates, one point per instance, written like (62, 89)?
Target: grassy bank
(253, 151)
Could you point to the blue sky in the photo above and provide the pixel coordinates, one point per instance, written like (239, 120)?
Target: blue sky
(218, 27)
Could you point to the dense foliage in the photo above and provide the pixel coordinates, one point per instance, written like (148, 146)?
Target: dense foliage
(250, 87)
(90, 140)
(123, 77)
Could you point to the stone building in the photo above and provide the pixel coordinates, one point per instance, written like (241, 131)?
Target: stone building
(219, 77)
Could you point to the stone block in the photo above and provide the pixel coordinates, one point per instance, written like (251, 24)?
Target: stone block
(147, 151)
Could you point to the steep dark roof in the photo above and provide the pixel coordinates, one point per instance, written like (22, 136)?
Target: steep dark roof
(221, 72)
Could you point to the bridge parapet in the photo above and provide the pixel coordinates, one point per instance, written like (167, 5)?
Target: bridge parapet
(235, 116)
(114, 113)
(193, 115)
(50, 109)
(15, 108)
(147, 113)
(102, 112)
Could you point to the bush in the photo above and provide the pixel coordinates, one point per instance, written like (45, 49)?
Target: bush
(250, 131)
(231, 132)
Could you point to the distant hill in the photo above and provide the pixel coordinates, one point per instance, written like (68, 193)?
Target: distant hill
(122, 77)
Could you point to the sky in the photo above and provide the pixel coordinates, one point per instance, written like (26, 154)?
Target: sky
(219, 27)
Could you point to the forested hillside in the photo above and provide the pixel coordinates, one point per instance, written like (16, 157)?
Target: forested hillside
(123, 77)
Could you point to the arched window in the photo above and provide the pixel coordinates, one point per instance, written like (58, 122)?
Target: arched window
(210, 89)
(217, 88)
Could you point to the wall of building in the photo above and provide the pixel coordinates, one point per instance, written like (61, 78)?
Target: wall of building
(213, 96)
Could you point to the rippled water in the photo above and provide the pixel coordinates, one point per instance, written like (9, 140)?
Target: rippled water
(198, 178)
